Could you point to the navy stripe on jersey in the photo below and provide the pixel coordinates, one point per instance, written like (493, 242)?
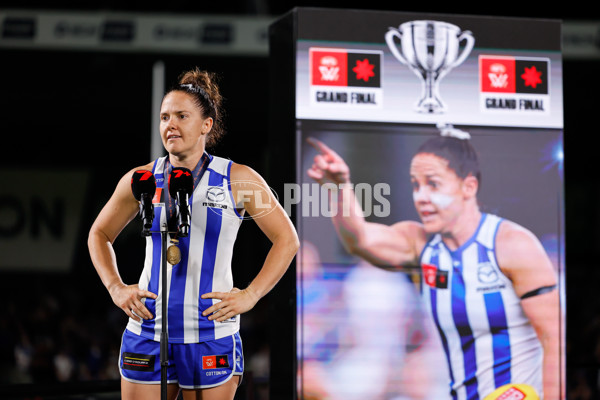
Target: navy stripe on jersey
(177, 289)
(213, 228)
(500, 338)
(498, 327)
(231, 191)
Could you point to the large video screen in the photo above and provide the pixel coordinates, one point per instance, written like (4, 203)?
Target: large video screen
(429, 168)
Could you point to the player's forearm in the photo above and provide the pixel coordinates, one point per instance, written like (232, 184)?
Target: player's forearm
(276, 263)
(552, 370)
(348, 219)
(104, 259)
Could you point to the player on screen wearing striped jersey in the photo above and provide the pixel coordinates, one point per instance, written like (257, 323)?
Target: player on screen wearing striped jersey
(204, 348)
(490, 286)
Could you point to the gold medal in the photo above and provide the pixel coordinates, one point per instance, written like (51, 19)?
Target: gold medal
(173, 253)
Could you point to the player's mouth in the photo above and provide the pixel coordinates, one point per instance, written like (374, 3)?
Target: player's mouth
(427, 215)
(172, 136)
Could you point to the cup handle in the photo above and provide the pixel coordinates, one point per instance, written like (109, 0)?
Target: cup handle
(468, 36)
(389, 38)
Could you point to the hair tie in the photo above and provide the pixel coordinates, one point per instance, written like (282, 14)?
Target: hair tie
(198, 90)
(448, 130)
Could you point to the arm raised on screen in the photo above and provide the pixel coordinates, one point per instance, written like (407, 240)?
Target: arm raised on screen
(386, 246)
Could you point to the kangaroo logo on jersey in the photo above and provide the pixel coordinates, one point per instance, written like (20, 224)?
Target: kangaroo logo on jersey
(434, 277)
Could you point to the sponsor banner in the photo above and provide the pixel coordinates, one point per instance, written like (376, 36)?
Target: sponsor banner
(230, 35)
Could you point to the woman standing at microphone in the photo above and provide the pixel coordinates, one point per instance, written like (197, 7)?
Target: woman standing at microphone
(205, 354)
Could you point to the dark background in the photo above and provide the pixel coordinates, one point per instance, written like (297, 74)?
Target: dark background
(90, 110)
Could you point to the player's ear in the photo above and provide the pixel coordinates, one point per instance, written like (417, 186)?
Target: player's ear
(207, 125)
(470, 186)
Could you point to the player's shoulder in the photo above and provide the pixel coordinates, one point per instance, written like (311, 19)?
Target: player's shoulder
(512, 233)
(515, 243)
(241, 172)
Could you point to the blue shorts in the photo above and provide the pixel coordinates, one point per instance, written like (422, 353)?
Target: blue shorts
(192, 365)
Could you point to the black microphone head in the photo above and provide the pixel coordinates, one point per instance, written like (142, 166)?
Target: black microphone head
(142, 182)
(181, 180)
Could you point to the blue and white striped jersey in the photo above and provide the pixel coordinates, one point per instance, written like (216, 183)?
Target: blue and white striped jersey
(487, 338)
(205, 264)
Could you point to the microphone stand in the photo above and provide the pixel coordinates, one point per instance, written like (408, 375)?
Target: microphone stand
(164, 334)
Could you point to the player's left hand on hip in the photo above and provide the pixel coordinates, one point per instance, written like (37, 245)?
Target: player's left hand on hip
(231, 304)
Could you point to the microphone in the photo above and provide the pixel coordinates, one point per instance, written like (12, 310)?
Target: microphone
(181, 186)
(143, 186)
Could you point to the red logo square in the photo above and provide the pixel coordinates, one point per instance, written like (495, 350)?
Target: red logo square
(329, 68)
(429, 274)
(497, 74)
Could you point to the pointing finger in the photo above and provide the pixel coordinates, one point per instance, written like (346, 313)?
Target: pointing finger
(321, 147)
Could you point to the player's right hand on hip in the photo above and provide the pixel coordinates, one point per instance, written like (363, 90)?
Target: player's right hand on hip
(129, 299)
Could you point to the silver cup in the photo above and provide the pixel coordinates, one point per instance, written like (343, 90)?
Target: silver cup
(430, 49)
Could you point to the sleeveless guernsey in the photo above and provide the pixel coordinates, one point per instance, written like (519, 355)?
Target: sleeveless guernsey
(487, 338)
(205, 264)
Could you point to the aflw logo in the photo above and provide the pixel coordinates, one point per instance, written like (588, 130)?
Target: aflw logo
(329, 69)
(504, 74)
(498, 76)
(344, 67)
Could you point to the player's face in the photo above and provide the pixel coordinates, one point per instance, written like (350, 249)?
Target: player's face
(437, 193)
(182, 127)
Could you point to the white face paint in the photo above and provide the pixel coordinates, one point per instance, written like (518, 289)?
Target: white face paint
(441, 201)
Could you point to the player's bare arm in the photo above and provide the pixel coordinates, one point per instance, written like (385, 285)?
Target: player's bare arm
(120, 209)
(251, 192)
(385, 246)
(523, 259)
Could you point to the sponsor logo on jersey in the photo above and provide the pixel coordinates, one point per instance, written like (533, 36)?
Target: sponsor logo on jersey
(213, 362)
(489, 278)
(486, 273)
(138, 362)
(345, 77)
(514, 84)
(215, 196)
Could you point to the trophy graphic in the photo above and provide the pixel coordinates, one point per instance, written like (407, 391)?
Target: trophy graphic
(430, 49)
